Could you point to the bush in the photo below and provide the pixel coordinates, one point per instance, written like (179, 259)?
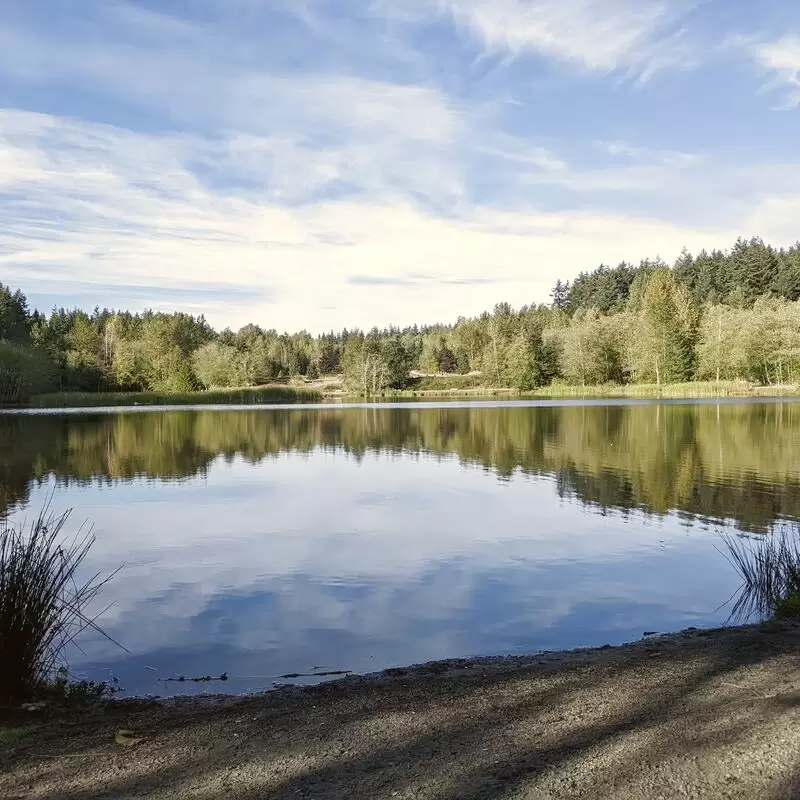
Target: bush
(788, 607)
(24, 372)
(42, 605)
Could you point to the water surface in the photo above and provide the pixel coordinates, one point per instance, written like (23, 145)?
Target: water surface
(267, 541)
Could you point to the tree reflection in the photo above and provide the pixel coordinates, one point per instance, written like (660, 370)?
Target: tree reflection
(727, 461)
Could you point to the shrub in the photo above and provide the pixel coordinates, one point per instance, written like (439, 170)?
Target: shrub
(24, 372)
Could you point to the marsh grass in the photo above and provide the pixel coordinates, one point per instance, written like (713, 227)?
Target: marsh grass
(256, 395)
(769, 566)
(471, 386)
(692, 389)
(43, 605)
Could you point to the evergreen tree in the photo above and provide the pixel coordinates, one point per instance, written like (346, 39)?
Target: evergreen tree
(561, 295)
(14, 317)
(754, 267)
(662, 347)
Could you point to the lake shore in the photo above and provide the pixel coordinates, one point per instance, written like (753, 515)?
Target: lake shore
(330, 390)
(692, 390)
(700, 714)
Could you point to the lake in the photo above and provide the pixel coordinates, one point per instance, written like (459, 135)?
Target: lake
(276, 540)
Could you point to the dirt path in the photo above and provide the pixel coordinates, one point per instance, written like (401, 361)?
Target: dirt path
(697, 715)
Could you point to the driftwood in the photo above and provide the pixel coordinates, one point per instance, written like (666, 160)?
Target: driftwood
(315, 674)
(201, 679)
(224, 676)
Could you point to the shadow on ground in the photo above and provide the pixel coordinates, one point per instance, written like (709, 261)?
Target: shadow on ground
(705, 715)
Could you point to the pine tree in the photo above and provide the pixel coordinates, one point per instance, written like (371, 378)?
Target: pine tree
(755, 267)
(561, 295)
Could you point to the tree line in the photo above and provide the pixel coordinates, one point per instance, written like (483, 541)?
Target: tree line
(714, 316)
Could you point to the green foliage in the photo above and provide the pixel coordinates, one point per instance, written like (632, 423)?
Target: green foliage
(433, 384)
(524, 363)
(24, 372)
(65, 693)
(788, 607)
(661, 347)
(592, 348)
(14, 317)
(713, 316)
(397, 362)
(751, 269)
(438, 357)
(365, 370)
(219, 366)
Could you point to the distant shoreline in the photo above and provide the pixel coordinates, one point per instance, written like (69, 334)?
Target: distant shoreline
(328, 390)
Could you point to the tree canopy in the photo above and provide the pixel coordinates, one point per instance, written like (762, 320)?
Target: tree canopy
(718, 315)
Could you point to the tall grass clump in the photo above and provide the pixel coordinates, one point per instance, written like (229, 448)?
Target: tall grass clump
(43, 606)
(770, 572)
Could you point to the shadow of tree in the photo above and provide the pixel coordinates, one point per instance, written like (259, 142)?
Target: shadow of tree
(702, 715)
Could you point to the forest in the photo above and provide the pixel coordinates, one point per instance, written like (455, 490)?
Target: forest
(723, 315)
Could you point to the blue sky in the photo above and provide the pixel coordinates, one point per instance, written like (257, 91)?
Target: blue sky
(321, 163)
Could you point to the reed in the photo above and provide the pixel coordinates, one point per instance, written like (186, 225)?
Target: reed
(770, 570)
(43, 604)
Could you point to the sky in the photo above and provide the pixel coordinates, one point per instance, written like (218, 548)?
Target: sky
(326, 163)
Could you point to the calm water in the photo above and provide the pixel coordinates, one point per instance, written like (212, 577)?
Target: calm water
(268, 541)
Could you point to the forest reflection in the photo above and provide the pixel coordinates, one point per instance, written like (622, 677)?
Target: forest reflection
(723, 461)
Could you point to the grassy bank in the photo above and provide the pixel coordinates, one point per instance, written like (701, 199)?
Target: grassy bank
(256, 395)
(673, 390)
(427, 386)
(471, 386)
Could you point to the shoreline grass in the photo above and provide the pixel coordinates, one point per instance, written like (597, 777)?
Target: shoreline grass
(451, 386)
(696, 389)
(256, 395)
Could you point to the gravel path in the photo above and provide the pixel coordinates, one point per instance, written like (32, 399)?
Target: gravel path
(703, 714)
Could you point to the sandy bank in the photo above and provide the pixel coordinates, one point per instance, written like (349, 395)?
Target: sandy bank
(703, 714)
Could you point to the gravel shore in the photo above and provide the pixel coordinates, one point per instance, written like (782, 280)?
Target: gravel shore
(701, 714)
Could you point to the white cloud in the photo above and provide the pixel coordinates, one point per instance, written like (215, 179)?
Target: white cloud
(97, 209)
(112, 208)
(781, 58)
(640, 36)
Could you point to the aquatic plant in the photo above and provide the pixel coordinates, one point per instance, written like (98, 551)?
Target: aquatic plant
(43, 606)
(769, 566)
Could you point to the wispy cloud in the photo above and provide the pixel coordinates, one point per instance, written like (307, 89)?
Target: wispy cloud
(123, 209)
(416, 280)
(781, 60)
(635, 36)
